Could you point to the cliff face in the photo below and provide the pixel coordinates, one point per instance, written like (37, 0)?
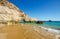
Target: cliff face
(9, 12)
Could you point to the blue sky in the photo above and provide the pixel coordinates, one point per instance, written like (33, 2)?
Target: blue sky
(40, 9)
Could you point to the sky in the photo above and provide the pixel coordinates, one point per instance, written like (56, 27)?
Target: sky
(40, 9)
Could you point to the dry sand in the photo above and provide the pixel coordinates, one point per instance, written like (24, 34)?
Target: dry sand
(18, 31)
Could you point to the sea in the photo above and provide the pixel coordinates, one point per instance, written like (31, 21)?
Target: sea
(52, 24)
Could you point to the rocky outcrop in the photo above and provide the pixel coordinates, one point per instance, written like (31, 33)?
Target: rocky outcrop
(9, 12)
(39, 22)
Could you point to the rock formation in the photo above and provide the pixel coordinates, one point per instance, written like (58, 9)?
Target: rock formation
(9, 12)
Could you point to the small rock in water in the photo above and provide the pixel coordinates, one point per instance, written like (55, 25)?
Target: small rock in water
(39, 22)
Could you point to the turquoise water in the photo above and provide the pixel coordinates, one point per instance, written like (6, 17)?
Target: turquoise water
(53, 24)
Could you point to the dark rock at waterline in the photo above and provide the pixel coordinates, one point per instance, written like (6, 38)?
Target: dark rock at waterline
(50, 21)
(39, 22)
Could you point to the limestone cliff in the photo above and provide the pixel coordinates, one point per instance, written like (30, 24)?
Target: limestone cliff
(9, 12)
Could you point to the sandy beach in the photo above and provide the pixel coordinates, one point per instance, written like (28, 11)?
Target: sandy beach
(25, 31)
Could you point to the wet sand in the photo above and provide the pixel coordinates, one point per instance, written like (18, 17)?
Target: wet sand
(26, 31)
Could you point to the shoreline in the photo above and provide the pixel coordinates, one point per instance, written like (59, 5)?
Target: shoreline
(50, 29)
(57, 31)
